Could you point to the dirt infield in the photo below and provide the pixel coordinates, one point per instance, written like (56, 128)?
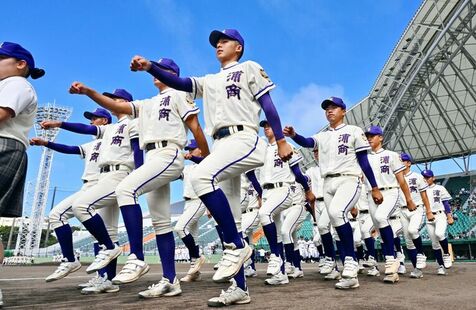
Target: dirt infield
(24, 288)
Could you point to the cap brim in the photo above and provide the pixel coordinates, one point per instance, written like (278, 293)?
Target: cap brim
(216, 35)
(88, 115)
(110, 95)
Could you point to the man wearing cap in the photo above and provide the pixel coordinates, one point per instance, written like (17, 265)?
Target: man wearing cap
(439, 199)
(17, 115)
(163, 121)
(62, 212)
(388, 171)
(233, 99)
(187, 224)
(342, 158)
(120, 154)
(413, 221)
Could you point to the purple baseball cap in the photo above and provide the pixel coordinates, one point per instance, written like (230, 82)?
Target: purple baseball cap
(427, 174)
(17, 51)
(335, 101)
(232, 34)
(192, 145)
(119, 93)
(99, 112)
(263, 123)
(406, 157)
(374, 131)
(168, 64)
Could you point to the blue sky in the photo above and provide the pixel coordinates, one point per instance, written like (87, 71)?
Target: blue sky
(310, 49)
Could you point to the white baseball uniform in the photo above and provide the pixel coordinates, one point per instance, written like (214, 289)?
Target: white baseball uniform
(163, 134)
(437, 228)
(340, 169)
(302, 245)
(294, 216)
(365, 220)
(322, 216)
(413, 221)
(385, 164)
(250, 218)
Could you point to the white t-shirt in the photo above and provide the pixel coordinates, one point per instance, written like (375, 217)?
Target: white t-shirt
(436, 195)
(188, 191)
(162, 118)
(275, 169)
(317, 182)
(230, 97)
(416, 184)
(90, 153)
(385, 164)
(19, 95)
(116, 145)
(337, 149)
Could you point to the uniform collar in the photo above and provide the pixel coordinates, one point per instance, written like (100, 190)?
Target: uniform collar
(329, 128)
(165, 91)
(379, 151)
(230, 65)
(122, 119)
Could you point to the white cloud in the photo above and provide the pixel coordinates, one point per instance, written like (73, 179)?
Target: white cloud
(302, 109)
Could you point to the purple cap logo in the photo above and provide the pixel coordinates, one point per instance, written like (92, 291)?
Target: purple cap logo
(374, 131)
(119, 93)
(333, 101)
(17, 51)
(99, 112)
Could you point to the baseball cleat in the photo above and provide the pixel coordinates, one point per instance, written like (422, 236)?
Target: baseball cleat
(104, 257)
(441, 271)
(401, 257)
(64, 269)
(348, 283)
(250, 272)
(351, 268)
(391, 265)
(298, 273)
(274, 265)
(447, 261)
(370, 262)
(91, 282)
(373, 272)
(217, 265)
(402, 269)
(132, 270)
(288, 268)
(322, 260)
(391, 278)
(163, 288)
(102, 285)
(361, 266)
(277, 279)
(329, 265)
(194, 277)
(333, 275)
(196, 264)
(232, 261)
(416, 274)
(421, 261)
(232, 296)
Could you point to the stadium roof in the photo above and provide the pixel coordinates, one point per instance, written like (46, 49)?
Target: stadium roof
(425, 96)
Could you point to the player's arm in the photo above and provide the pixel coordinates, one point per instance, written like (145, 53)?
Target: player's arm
(122, 107)
(138, 154)
(61, 148)
(195, 159)
(139, 63)
(426, 203)
(304, 181)
(254, 180)
(194, 125)
(406, 191)
(6, 114)
(289, 131)
(364, 164)
(449, 215)
(73, 127)
(284, 149)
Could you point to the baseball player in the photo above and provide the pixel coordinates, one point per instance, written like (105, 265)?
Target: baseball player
(329, 267)
(187, 224)
(163, 124)
(413, 221)
(62, 212)
(342, 158)
(119, 155)
(439, 199)
(233, 99)
(277, 178)
(388, 169)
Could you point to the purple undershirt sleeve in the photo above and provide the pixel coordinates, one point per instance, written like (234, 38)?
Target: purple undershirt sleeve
(80, 128)
(252, 177)
(62, 148)
(447, 206)
(304, 142)
(138, 154)
(365, 166)
(170, 79)
(300, 178)
(271, 115)
(196, 159)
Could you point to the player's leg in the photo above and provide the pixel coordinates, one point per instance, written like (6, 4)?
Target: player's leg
(366, 228)
(358, 246)
(416, 223)
(440, 231)
(295, 216)
(324, 227)
(249, 223)
(435, 244)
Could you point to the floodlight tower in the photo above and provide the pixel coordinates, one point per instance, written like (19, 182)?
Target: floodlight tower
(28, 242)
